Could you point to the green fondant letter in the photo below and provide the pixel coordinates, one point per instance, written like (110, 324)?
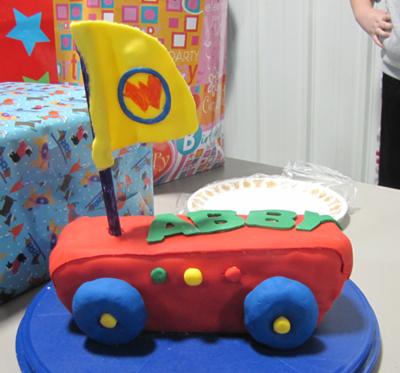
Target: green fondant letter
(166, 225)
(312, 220)
(209, 221)
(276, 219)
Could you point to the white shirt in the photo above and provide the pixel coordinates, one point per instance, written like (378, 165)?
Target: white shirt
(391, 50)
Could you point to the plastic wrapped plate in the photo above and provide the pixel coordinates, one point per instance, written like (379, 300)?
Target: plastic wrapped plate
(266, 193)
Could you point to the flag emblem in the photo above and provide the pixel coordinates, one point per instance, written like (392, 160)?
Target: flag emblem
(135, 91)
(144, 95)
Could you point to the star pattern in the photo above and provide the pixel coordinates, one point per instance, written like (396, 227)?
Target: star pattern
(45, 78)
(27, 30)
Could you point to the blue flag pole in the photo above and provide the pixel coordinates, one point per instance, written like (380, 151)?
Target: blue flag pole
(106, 179)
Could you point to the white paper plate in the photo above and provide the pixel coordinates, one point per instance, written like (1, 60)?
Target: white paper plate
(262, 193)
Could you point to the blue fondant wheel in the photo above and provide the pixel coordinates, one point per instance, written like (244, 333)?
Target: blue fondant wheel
(280, 313)
(109, 311)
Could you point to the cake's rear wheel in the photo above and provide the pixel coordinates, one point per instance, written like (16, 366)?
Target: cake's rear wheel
(281, 313)
(109, 311)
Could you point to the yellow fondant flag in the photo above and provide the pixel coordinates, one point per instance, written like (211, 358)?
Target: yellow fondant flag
(136, 93)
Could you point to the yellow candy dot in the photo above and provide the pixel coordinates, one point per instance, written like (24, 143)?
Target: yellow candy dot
(108, 321)
(193, 277)
(281, 325)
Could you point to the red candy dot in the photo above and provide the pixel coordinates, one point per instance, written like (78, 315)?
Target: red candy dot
(233, 274)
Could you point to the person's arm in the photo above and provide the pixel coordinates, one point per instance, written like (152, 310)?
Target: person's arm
(375, 22)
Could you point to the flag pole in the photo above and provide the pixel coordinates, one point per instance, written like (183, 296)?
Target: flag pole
(106, 179)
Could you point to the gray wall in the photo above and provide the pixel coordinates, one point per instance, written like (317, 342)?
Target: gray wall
(303, 83)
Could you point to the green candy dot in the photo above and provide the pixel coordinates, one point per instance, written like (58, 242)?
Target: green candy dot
(159, 275)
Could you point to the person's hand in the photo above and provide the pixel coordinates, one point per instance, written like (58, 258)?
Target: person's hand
(376, 23)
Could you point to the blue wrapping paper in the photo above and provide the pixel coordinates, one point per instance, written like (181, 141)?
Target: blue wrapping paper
(47, 177)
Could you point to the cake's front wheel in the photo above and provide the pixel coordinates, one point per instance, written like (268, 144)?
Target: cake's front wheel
(281, 313)
(109, 311)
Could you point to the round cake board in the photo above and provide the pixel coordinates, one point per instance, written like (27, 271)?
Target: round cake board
(347, 340)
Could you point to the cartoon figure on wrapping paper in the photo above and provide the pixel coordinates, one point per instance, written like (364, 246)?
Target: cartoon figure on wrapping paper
(75, 167)
(54, 231)
(9, 220)
(63, 145)
(146, 181)
(79, 135)
(5, 171)
(18, 185)
(30, 124)
(72, 214)
(7, 205)
(63, 142)
(57, 92)
(68, 194)
(22, 150)
(39, 107)
(65, 183)
(15, 265)
(36, 98)
(34, 249)
(89, 178)
(6, 116)
(128, 181)
(37, 199)
(58, 103)
(53, 114)
(15, 231)
(7, 101)
(42, 160)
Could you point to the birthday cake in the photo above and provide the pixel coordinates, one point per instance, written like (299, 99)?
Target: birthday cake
(271, 274)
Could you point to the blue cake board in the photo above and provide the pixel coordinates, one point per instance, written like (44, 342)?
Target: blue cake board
(347, 340)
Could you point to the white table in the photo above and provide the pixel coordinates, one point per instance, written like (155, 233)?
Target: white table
(373, 229)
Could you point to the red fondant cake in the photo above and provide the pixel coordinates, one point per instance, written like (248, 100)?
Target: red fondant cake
(199, 282)
(212, 271)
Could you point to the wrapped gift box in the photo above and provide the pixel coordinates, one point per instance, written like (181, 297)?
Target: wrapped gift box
(193, 31)
(47, 177)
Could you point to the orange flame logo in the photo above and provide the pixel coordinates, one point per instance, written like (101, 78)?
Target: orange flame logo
(146, 94)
